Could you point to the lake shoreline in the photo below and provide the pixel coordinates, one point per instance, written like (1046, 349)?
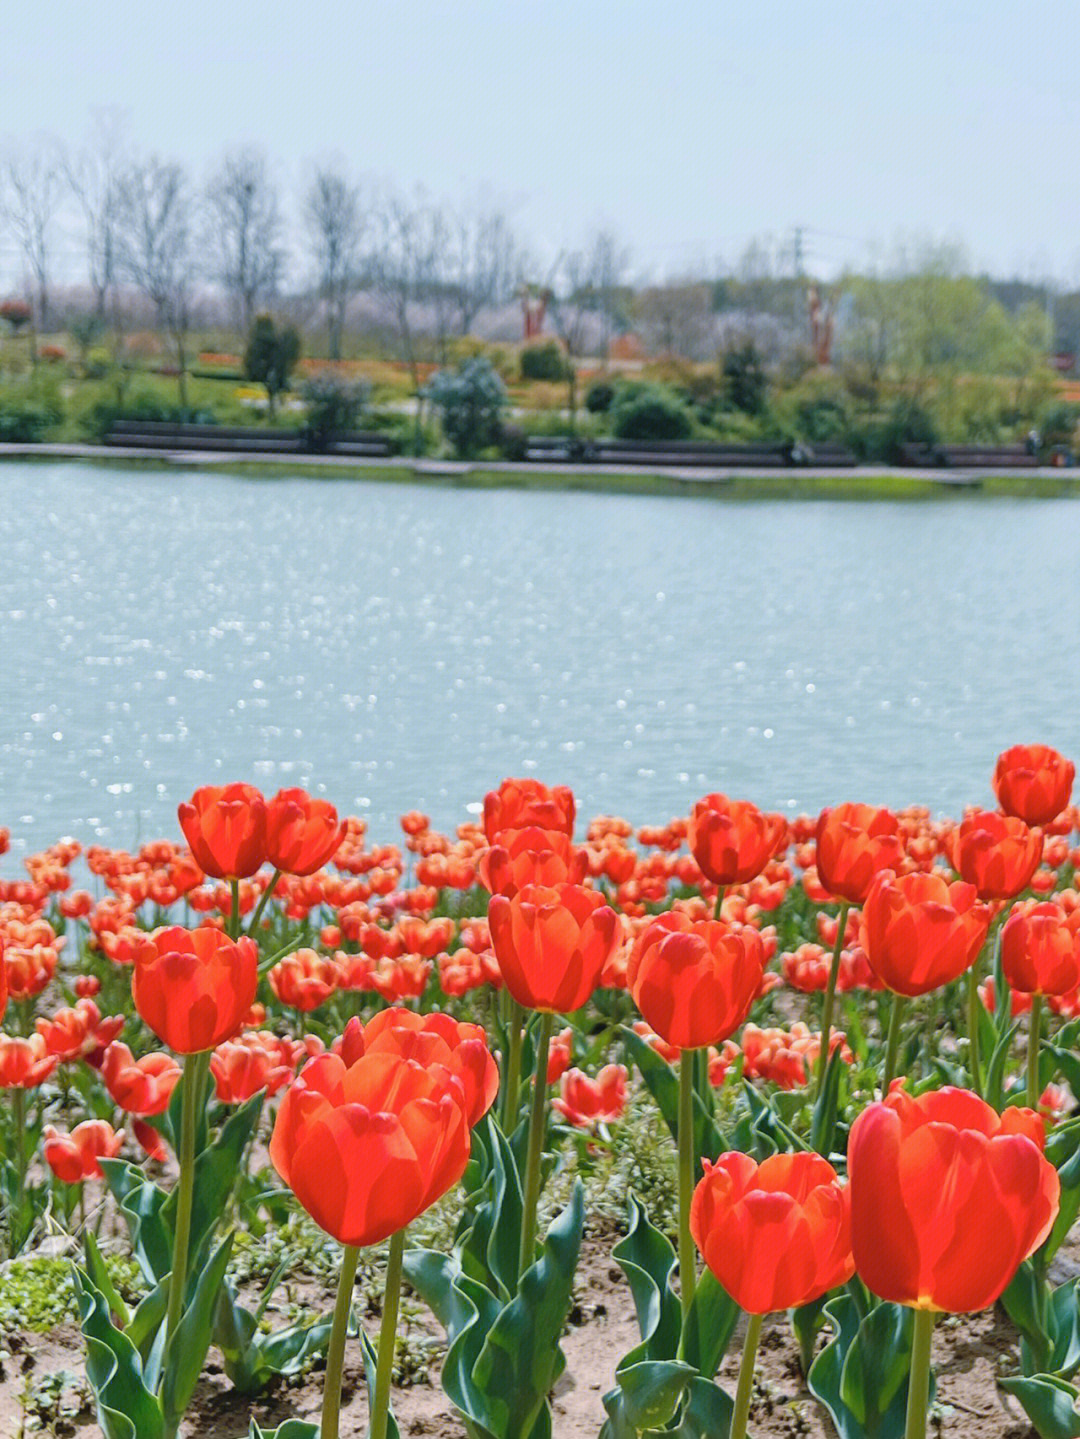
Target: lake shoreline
(814, 483)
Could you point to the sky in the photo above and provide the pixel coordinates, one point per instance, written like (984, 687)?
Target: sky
(687, 128)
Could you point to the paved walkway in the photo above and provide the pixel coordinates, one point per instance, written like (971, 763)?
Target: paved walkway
(429, 469)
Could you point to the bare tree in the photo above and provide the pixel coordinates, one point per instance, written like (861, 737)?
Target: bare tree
(94, 175)
(32, 188)
(406, 270)
(156, 231)
(244, 225)
(608, 262)
(486, 262)
(335, 223)
(676, 318)
(578, 304)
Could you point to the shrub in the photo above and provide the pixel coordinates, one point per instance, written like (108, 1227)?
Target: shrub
(646, 412)
(470, 401)
(16, 313)
(543, 362)
(513, 442)
(600, 397)
(746, 386)
(271, 356)
(334, 404)
(145, 406)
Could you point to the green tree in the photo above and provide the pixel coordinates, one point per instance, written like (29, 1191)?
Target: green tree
(470, 402)
(271, 356)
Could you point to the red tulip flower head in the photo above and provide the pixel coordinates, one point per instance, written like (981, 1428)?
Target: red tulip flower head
(948, 1198)
(530, 856)
(552, 944)
(368, 1146)
(775, 1234)
(732, 840)
(996, 853)
(1033, 782)
(139, 1086)
(920, 931)
(855, 842)
(432, 1039)
(695, 980)
(25, 1063)
(225, 827)
(74, 1157)
(586, 1102)
(195, 988)
(1040, 949)
(302, 834)
(524, 803)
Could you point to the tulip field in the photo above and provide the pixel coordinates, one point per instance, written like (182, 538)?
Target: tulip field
(546, 1128)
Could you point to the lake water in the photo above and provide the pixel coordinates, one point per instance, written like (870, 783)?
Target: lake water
(394, 647)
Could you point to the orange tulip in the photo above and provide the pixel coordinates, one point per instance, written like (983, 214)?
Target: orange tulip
(695, 980)
(552, 944)
(1040, 949)
(80, 1032)
(530, 856)
(776, 1235)
(523, 803)
(225, 825)
(3, 981)
(1033, 782)
(947, 1198)
(74, 1157)
(996, 853)
(732, 840)
(304, 979)
(302, 834)
(196, 987)
(24, 1063)
(586, 1102)
(854, 842)
(252, 1061)
(368, 1146)
(920, 931)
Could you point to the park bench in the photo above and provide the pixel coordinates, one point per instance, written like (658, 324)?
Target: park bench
(682, 454)
(365, 444)
(155, 435)
(968, 457)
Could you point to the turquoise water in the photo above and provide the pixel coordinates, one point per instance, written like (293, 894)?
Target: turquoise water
(400, 646)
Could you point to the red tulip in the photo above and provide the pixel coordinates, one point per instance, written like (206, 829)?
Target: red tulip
(586, 1102)
(436, 1039)
(996, 853)
(732, 840)
(225, 825)
(776, 1235)
(552, 944)
(695, 980)
(79, 1032)
(304, 980)
(302, 834)
(855, 842)
(252, 1061)
(368, 1146)
(74, 1157)
(24, 1063)
(920, 931)
(519, 857)
(139, 1086)
(196, 987)
(524, 803)
(948, 1198)
(1033, 782)
(1040, 949)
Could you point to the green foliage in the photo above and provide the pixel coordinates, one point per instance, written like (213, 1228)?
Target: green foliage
(647, 412)
(29, 412)
(1052, 1404)
(271, 355)
(543, 362)
(861, 1376)
(100, 418)
(746, 385)
(334, 405)
(599, 397)
(470, 401)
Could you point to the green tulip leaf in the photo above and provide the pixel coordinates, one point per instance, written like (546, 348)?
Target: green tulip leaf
(648, 1260)
(1050, 1403)
(662, 1082)
(142, 1204)
(185, 1352)
(861, 1376)
(126, 1407)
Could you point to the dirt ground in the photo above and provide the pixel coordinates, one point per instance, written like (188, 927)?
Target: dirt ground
(969, 1353)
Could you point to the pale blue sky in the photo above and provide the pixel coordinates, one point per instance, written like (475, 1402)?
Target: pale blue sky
(688, 127)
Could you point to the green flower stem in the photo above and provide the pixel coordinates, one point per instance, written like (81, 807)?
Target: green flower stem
(512, 1079)
(264, 900)
(380, 1405)
(896, 1019)
(919, 1378)
(18, 1105)
(234, 909)
(687, 1253)
(196, 1067)
(741, 1411)
(1033, 1090)
(973, 1002)
(537, 1132)
(719, 901)
(830, 996)
(335, 1357)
